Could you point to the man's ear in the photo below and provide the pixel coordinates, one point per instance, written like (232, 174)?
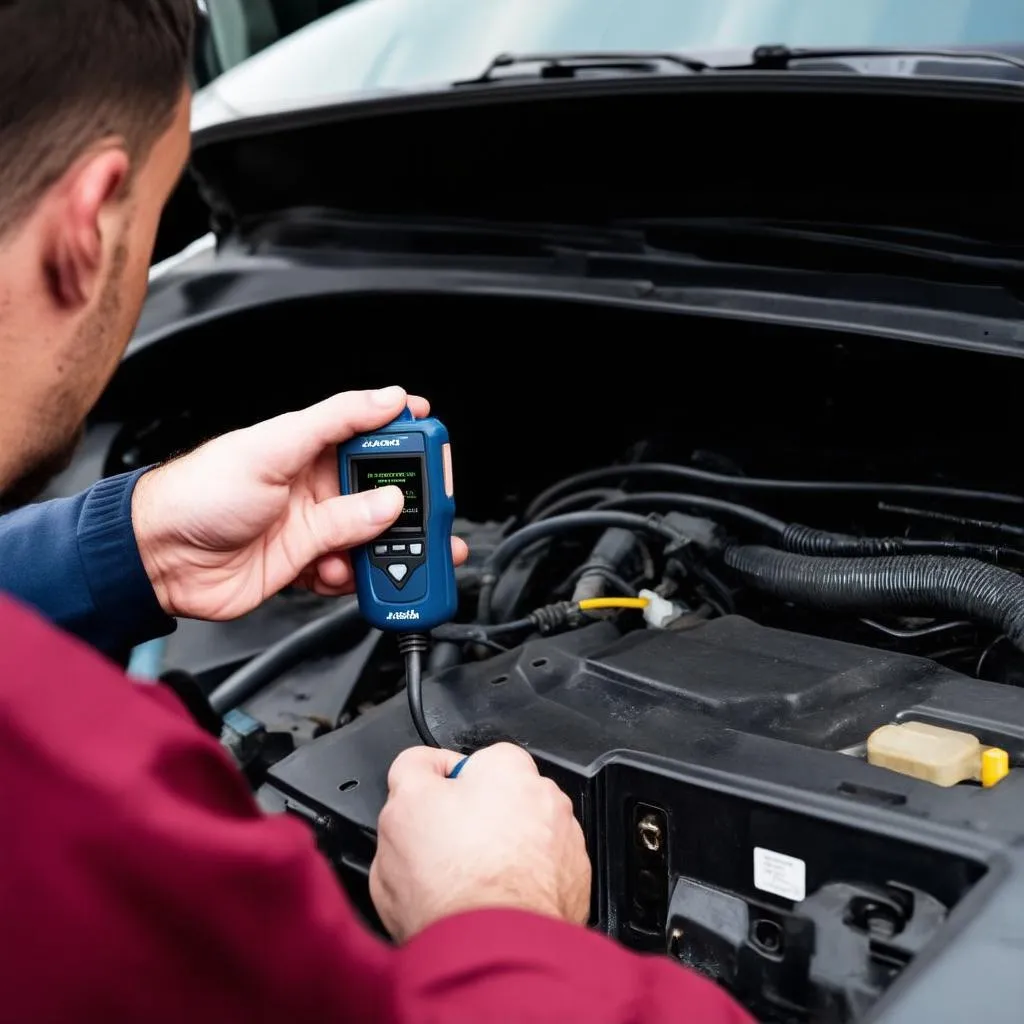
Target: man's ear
(81, 218)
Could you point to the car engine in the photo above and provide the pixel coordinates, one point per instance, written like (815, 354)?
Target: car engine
(715, 743)
(727, 616)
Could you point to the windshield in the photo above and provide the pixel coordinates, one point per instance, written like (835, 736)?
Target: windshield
(374, 45)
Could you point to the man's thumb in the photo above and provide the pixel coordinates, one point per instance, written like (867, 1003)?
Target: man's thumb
(352, 519)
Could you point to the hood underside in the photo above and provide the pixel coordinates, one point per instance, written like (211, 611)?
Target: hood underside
(930, 154)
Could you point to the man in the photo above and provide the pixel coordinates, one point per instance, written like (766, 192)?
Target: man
(138, 879)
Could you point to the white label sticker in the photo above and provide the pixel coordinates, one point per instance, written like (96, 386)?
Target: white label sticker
(780, 874)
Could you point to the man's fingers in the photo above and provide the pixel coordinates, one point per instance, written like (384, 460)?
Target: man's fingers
(419, 763)
(419, 406)
(319, 587)
(341, 523)
(333, 526)
(504, 758)
(335, 570)
(289, 443)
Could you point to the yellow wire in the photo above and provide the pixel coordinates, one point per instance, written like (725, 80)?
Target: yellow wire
(593, 603)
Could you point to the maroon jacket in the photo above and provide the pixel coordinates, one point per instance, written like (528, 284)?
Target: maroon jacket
(139, 882)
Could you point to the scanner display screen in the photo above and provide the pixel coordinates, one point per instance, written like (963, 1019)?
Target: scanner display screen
(402, 471)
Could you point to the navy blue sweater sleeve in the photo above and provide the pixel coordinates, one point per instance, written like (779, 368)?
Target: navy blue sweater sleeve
(76, 560)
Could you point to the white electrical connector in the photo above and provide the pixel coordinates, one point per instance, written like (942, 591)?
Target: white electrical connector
(660, 611)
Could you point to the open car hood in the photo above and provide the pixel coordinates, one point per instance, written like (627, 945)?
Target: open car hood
(849, 148)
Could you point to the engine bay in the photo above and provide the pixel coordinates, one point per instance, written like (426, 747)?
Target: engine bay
(731, 817)
(693, 594)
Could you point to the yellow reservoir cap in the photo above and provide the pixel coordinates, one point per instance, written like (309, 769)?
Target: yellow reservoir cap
(995, 766)
(935, 754)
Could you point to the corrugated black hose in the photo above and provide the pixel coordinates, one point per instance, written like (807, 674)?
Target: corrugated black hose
(805, 540)
(911, 584)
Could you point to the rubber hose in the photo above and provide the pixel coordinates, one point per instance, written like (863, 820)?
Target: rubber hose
(616, 474)
(578, 500)
(285, 654)
(613, 550)
(912, 584)
(805, 540)
(512, 545)
(698, 502)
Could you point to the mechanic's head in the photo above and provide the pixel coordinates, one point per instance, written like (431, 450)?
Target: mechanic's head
(94, 134)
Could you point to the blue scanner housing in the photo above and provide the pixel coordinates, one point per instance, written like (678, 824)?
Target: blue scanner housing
(405, 578)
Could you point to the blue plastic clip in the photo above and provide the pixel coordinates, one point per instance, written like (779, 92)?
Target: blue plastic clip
(454, 774)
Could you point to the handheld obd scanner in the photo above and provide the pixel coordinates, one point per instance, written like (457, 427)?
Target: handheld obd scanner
(405, 578)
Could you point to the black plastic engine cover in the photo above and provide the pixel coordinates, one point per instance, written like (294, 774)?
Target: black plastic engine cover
(730, 815)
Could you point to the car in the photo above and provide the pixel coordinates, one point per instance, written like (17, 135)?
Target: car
(231, 31)
(729, 341)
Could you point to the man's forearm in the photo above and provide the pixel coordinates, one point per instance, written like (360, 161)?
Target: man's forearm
(76, 561)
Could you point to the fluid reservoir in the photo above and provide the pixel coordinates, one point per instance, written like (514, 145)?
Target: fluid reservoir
(935, 754)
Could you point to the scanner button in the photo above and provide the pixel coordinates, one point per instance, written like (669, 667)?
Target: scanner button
(415, 549)
(397, 571)
(380, 549)
(398, 549)
(449, 486)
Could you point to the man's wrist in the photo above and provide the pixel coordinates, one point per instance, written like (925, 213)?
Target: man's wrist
(498, 898)
(123, 607)
(148, 539)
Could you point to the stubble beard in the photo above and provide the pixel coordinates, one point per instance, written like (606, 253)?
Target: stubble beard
(61, 422)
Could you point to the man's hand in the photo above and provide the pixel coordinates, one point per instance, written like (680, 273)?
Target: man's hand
(234, 522)
(499, 835)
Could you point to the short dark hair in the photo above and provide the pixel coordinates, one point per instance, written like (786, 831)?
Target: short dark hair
(75, 71)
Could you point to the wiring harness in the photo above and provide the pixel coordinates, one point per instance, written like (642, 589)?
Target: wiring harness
(680, 557)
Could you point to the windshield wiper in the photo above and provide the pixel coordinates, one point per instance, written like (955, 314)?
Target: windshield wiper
(779, 57)
(572, 65)
(881, 60)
